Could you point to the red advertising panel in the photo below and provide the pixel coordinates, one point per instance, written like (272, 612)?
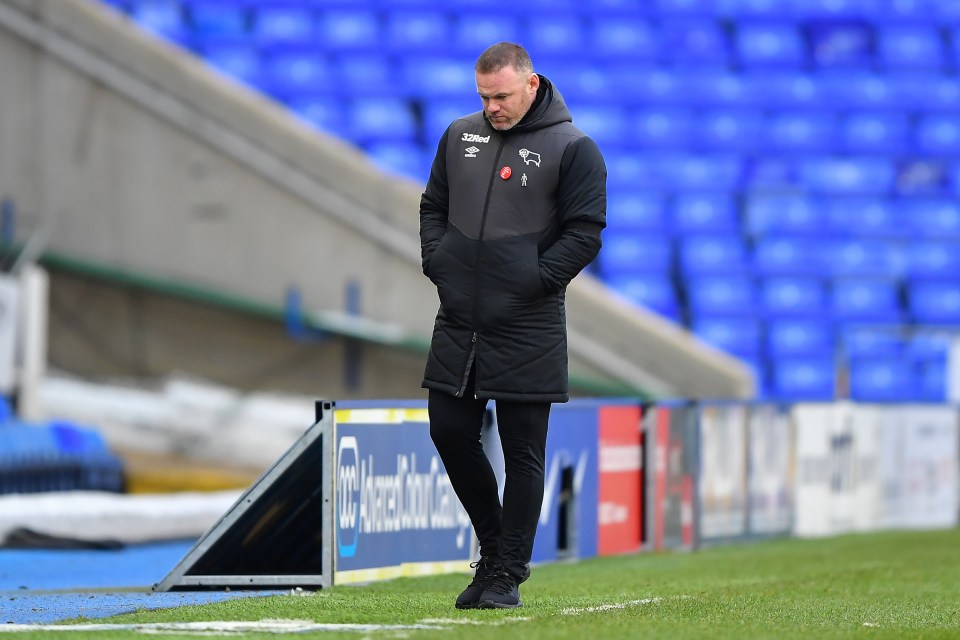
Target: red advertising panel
(672, 439)
(620, 522)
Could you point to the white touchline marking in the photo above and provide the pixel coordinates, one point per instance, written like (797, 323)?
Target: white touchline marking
(572, 611)
(223, 628)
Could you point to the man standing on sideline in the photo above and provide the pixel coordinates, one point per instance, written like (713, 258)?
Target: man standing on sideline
(512, 211)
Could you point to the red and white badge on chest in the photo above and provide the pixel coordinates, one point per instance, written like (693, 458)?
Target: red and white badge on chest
(506, 172)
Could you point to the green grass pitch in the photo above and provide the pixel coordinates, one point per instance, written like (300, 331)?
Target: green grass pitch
(879, 585)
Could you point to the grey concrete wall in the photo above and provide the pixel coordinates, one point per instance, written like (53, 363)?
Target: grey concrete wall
(125, 152)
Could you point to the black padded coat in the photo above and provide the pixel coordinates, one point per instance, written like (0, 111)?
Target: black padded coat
(507, 220)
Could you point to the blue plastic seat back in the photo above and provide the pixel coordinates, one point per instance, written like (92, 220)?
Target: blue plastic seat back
(879, 379)
(935, 218)
(799, 337)
(637, 211)
(217, 18)
(654, 292)
(613, 38)
(728, 129)
(285, 22)
(733, 295)
(865, 175)
(801, 131)
(660, 128)
(938, 134)
(789, 215)
(408, 31)
(635, 253)
(737, 335)
(934, 301)
(344, 29)
(862, 257)
(712, 254)
(705, 212)
(932, 259)
(789, 256)
(803, 378)
(769, 44)
(860, 299)
(475, 31)
(910, 46)
(864, 132)
(793, 297)
(861, 217)
(695, 41)
(843, 43)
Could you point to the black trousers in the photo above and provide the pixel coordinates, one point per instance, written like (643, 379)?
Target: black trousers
(504, 532)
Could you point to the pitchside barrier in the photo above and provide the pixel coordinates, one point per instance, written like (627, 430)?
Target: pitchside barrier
(363, 495)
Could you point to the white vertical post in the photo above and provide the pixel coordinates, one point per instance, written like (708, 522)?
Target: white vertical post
(34, 309)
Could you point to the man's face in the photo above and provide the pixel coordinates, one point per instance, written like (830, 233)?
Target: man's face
(507, 95)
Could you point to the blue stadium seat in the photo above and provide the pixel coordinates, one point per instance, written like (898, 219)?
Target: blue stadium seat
(934, 301)
(783, 89)
(284, 22)
(406, 32)
(925, 91)
(695, 41)
(366, 74)
(798, 337)
(859, 340)
(749, 9)
(439, 77)
(789, 255)
(217, 18)
(727, 130)
(712, 295)
(659, 127)
(405, 159)
(702, 172)
(769, 44)
(635, 254)
(650, 291)
(684, 8)
(906, 11)
(712, 254)
(862, 257)
(847, 43)
(861, 217)
(803, 378)
(932, 382)
(784, 215)
(736, 335)
(783, 297)
(705, 212)
(239, 60)
(836, 9)
(865, 300)
(632, 170)
(643, 84)
(850, 175)
(604, 123)
(322, 111)
(557, 33)
(938, 134)
(161, 17)
(473, 32)
(349, 30)
(372, 120)
(579, 83)
(613, 38)
(924, 177)
(800, 131)
(712, 88)
(292, 69)
(771, 173)
(932, 259)
(882, 380)
(857, 89)
(438, 114)
(931, 217)
(874, 132)
(910, 46)
(637, 211)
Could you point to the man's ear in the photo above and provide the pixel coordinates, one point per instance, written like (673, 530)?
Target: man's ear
(534, 82)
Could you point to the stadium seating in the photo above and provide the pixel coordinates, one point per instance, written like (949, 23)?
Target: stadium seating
(783, 175)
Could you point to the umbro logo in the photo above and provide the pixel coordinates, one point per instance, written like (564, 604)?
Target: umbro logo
(471, 152)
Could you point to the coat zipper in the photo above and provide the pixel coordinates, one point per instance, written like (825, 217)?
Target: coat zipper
(476, 284)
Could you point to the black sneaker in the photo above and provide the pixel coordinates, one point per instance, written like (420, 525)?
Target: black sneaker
(502, 592)
(470, 597)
